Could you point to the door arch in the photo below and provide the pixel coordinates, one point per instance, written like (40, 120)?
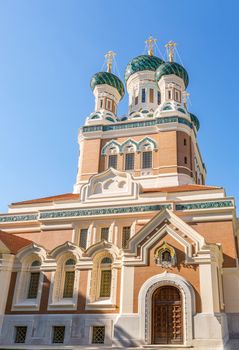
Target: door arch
(167, 315)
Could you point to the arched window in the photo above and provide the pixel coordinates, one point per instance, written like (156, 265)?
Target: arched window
(129, 148)
(69, 278)
(34, 280)
(105, 278)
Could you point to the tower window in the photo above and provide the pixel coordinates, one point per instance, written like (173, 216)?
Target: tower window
(105, 233)
(143, 96)
(125, 236)
(21, 333)
(101, 103)
(159, 97)
(136, 100)
(129, 161)
(177, 94)
(169, 94)
(151, 95)
(185, 160)
(147, 160)
(83, 237)
(109, 104)
(112, 163)
(185, 142)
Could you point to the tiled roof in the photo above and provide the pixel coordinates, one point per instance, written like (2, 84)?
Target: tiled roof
(182, 188)
(12, 242)
(59, 197)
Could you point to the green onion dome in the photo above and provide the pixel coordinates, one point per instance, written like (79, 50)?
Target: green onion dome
(141, 63)
(195, 121)
(168, 68)
(109, 79)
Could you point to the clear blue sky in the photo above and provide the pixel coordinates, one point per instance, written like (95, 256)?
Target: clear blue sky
(49, 49)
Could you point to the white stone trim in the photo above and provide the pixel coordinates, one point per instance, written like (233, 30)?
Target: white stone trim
(145, 304)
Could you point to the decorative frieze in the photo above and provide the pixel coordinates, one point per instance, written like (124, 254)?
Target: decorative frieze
(14, 218)
(103, 211)
(138, 124)
(205, 205)
(54, 214)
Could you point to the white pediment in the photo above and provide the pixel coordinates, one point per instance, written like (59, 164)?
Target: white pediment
(110, 185)
(165, 222)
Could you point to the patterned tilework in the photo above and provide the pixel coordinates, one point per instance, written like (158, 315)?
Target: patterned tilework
(139, 124)
(107, 78)
(51, 214)
(205, 205)
(140, 63)
(168, 68)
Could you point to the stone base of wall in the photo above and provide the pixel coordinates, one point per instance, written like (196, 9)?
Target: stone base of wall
(210, 331)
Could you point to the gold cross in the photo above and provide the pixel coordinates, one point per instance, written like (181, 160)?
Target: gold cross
(150, 43)
(170, 46)
(109, 60)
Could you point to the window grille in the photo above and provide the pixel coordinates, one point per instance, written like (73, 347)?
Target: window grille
(83, 237)
(112, 163)
(147, 160)
(129, 161)
(143, 95)
(33, 285)
(58, 334)
(105, 233)
(21, 332)
(105, 283)
(159, 97)
(125, 236)
(69, 284)
(70, 262)
(106, 260)
(98, 335)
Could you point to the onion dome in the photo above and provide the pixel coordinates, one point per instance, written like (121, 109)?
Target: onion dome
(109, 79)
(168, 68)
(195, 121)
(141, 63)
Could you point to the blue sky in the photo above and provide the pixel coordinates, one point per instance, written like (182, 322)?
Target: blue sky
(50, 49)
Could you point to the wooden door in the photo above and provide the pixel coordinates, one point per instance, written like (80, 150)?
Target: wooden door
(167, 320)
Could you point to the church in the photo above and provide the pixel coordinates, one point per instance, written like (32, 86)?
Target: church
(142, 252)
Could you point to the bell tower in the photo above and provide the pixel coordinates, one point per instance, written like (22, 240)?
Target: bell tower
(156, 142)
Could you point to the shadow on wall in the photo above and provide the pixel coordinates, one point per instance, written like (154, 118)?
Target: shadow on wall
(123, 338)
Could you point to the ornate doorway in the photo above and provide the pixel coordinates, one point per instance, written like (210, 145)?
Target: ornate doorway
(167, 316)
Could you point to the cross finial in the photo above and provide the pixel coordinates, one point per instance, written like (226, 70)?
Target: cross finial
(150, 43)
(170, 46)
(185, 97)
(109, 60)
